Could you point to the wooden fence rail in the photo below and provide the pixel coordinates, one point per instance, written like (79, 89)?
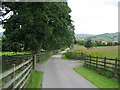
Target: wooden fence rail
(20, 78)
(104, 63)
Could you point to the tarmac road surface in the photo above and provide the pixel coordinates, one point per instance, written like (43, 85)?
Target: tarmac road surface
(59, 73)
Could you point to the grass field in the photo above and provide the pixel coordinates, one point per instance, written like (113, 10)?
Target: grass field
(11, 53)
(107, 51)
(35, 80)
(97, 79)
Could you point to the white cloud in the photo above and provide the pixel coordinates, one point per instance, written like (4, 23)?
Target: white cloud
(94, 16)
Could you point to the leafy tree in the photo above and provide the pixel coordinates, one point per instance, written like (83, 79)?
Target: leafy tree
(115, 43)
(81, 42)
(109, 44)
(35, 26)
(88, 44)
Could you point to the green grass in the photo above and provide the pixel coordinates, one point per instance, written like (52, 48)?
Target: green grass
(106, 51)
(35, 80)
(95, 78)
(44, 58)
(11, 53)
(64, 57)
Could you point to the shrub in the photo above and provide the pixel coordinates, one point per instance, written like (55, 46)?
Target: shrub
(72, 55)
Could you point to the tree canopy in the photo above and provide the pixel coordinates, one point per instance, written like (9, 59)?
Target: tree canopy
(33, 26)
(88, 44)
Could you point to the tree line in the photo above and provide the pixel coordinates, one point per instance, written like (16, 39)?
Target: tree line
(33, 26)
(90, 43)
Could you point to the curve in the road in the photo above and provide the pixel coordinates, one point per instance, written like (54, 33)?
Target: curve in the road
(59, 73)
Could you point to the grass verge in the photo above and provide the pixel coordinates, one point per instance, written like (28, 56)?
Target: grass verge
(48, 55)
(64, 57)
(44, 58)
(13, 53)
(35, 80)
(97, 79)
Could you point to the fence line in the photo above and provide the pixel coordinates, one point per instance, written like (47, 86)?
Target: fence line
(13, 69)
(107, 64)
(21, 78)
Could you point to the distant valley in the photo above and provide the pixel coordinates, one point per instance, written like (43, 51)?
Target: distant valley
(105, 37)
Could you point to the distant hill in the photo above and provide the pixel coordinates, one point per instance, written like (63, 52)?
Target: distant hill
(104, 37)
(83, 36)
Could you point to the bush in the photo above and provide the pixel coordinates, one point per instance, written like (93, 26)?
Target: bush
(72, 55)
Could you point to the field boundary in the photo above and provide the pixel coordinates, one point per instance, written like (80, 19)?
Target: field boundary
(102, 63)
(19, 79)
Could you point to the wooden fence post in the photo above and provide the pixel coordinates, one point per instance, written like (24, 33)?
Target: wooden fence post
(90, 59)
(34, 61)
(105, 63)
(96, 61)
(14, 74)
(83, 57)
(13, 84)
(116, 65)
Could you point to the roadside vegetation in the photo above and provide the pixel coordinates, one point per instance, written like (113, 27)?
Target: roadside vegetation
(35, 80)
(29, 29)
(64, 56)
(97, 79)
(44, 57)
(14, 53)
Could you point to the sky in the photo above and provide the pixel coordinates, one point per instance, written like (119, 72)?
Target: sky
(94, 16)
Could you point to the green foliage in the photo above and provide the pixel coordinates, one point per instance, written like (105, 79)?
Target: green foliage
(64, 57)
(80, 42)
(109, 44)
(96, 43)
(35, 26)
(97, 79)
(35, 80)
(44, 57)
(14, 53)
(88, 44)
(71, 55)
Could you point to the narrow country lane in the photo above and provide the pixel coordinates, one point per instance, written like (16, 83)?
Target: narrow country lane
(59, 73)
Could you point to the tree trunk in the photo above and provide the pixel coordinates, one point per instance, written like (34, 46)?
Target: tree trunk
(39, 48)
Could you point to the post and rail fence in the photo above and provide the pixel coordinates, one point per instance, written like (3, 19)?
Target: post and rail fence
(17, 76)
(103, 63)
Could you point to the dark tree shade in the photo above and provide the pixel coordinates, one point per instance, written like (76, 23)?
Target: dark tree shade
(35, 26)
(88, 44)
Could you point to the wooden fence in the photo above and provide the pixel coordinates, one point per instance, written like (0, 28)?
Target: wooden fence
(19, 74)
(104, 63)
(8, 61)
